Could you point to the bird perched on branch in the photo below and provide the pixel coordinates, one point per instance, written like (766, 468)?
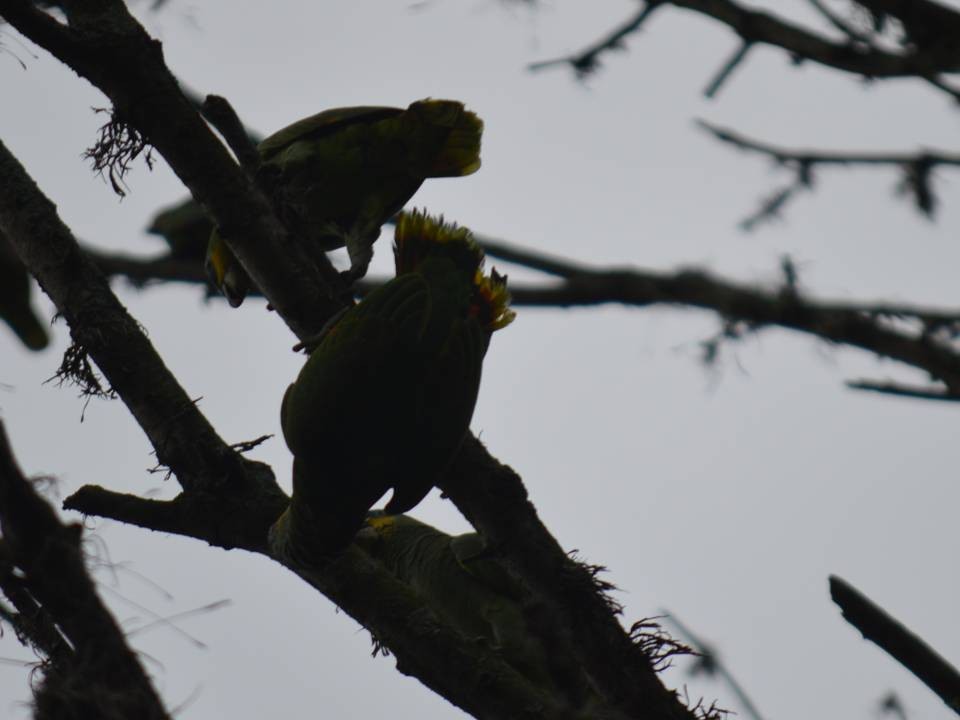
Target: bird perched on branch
(336, 177)
(385, 399)
(15, 307)
(465, 585)
(185, 227)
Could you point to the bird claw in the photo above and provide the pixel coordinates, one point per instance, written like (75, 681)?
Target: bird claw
(309, 344)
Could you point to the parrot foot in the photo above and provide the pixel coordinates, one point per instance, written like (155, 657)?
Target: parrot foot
(359, 245)
(311, 343)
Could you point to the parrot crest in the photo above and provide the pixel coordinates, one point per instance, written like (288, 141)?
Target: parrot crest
(491, 305)
(461, 149)
(419, 236)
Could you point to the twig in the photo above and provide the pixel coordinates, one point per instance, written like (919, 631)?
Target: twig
(587, 61)
(726, 71)
(894, 638)
(901, 390)
(759, 27)
(842, 25)
(822, 157)
(710, 663)
(916, 181)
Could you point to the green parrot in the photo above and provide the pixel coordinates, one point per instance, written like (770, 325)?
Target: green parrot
(337, 176)
(463, 584)
(386, 398)
(186, 229)
(15, 307)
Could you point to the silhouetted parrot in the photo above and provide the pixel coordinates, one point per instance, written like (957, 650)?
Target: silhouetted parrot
(186, 229)
(336, 177)
(385, 399)
(463, 583)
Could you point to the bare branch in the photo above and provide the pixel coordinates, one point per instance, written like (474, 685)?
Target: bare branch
(916, 168)
(893, 637)
(821, 157)
(727, 70)
(840, 24)
(901, 390)
(587, 61)
(926, 60)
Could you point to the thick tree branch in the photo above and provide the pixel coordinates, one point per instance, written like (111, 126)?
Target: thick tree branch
(469, 674)
(183, 439)
(47, 554)
(142, 271)
(922, 338)
(856, 326)
(905, 647)
(32, 623)
(492, 497)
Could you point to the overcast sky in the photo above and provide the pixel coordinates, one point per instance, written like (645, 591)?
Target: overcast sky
(725, 495)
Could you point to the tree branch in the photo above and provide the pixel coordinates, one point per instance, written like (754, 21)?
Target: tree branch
(905, 647)
(492, 497)
(48, 555)
(101, 326)
(587, 61)
(917, 169)
(877, 328)
(921, 60)
(469, 674)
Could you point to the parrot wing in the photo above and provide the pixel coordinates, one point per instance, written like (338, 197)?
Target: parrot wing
(340, 383)
(322, 123)
(444, 408)
(476, 558)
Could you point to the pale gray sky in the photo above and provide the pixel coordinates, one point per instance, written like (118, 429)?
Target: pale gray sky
(727, 496)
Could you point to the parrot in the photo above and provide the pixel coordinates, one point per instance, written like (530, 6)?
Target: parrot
(338, 176)
(15, 307)
(186, 229)
(385, 398)
(464, 585)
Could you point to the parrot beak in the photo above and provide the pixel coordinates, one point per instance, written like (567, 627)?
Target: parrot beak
(234, 287)
(224, 272)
